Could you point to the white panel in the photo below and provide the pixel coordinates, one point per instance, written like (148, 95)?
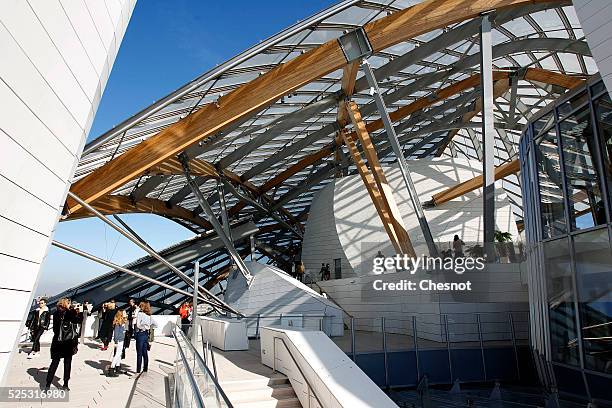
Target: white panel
(21, 206)
(22, 242)
(99, 14)
(86, 31)
(64, 37)
(12, 305)
(114, 11)
(17, 273)
(23, 126)
(6, 342)
(30, 87)
(23, 169)
(21, 22)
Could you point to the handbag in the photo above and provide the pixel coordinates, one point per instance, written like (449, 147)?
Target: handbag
(67, 331)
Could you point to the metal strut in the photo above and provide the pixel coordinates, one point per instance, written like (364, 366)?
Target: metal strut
(154, 254)
(212, 218)
(401, 160)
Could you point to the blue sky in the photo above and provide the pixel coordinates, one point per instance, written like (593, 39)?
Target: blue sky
(167, 44)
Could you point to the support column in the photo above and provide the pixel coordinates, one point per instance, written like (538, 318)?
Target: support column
(212, 218)
(401, 160)
(194, 313)
(224, 219)
(488, 136)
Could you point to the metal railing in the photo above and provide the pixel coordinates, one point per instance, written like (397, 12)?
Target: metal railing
(201, 388)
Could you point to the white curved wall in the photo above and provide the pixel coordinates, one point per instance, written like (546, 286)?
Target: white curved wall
(345, 206)
(56, 58)
(594, 16)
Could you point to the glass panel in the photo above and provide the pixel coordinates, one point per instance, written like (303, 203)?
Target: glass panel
(581, 174)
(594, 285)
(562, 313)
(603, 111)
(573, 103)
(549, 179)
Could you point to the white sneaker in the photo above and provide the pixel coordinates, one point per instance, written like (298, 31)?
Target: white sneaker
(35, 355)
(29, 357)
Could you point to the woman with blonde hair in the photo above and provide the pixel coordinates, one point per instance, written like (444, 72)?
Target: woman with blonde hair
(118, 337)
(66, 321)
(143, 324)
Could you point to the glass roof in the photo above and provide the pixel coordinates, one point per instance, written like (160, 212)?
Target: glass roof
(265, 144)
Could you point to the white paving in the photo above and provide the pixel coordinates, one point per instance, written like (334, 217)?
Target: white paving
(89, 387)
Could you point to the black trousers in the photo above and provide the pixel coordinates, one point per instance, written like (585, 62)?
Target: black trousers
(36, 333)
(53, 369)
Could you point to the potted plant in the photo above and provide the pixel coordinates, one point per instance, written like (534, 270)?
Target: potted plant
(504, 245)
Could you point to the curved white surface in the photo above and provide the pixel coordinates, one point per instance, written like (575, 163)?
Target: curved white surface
(225, 334)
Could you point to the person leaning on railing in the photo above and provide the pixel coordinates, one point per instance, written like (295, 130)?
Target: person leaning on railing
(144, 323)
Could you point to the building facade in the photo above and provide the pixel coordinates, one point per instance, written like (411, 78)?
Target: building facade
(57, 59)
(566, 170)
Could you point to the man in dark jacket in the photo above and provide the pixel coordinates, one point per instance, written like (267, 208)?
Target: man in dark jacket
(130, 311)
(38, 323)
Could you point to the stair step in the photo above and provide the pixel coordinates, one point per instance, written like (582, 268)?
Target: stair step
(284, 403)
(277, 392)
(241, 385)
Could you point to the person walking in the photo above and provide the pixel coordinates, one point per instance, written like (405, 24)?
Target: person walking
(66, 322)
(129, 332)
(118, 337)
(143, 324)
(106, 330)
(458, 247)
(322, 271)
(38, 322)
(184, 313)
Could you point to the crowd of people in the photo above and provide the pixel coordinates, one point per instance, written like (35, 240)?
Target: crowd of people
(115, 325)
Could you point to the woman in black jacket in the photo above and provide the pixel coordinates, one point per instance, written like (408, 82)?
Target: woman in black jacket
(38, 323)
(63, 349)
(106, 330)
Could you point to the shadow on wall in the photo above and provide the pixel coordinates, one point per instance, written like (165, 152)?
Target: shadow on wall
(345, 206)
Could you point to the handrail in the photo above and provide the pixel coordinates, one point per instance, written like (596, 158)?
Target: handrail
(310, 387)
(210, 374)
(192, 380)
(332, 299)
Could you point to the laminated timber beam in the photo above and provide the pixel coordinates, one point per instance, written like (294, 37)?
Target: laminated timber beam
(460, 189)
(376, 195)
(349, 77)
(118, 204)
(386, 199)
(264, 90)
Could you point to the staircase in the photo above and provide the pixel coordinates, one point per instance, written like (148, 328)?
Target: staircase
(275, 391)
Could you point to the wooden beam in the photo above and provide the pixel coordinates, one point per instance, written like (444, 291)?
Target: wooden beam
(265, 89)
(373, 191)
(460, 189)
(349, 77)
(385, 192)
(118, 204)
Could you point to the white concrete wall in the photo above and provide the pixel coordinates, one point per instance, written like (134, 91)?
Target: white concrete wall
(346, 206)
(495, 292)
(594, 16)
(56, 58)
(280, 299)
(321, 243)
